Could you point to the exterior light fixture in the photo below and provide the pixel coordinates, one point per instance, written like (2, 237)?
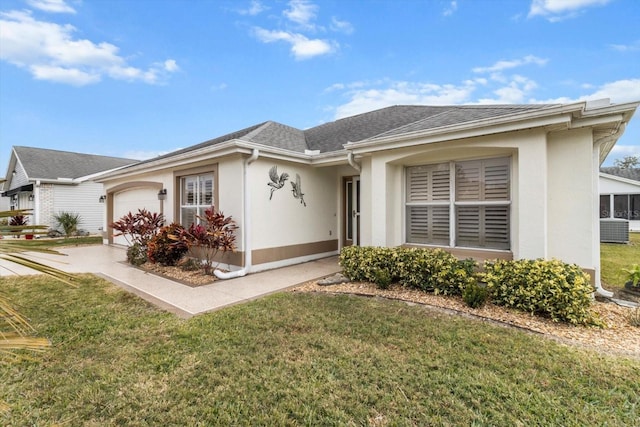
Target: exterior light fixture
(31, 197)
(102, 199)
(162, 194)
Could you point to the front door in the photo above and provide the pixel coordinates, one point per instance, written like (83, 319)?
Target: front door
(352, 211)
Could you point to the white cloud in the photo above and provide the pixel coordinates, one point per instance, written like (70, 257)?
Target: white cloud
(453, 6)
(619, 92)
(341, 26)
(514, 92)
(301, 46)
(53, 6)
(365, 99)
(302, 12)
(626, 150)
(505, 65)
(635, 46)
(171, 66)
(255, 8)
(50, 52)
(557, 10)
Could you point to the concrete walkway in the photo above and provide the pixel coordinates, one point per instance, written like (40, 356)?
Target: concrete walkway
(109, 262)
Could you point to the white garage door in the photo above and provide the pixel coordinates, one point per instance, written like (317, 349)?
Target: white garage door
(130, 201)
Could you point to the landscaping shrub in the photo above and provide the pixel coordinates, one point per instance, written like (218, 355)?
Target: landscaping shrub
(433, 270)
(550, 288)
(475, 295)
(68, 221)
(139, 227)
(136, 254)
(165, 248)
(215, 233)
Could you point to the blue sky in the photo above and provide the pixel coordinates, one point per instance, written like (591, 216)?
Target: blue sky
(139, 78)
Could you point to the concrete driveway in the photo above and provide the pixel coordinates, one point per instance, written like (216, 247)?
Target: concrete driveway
(109, 262)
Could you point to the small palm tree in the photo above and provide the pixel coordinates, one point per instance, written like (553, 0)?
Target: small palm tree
(68, 221)
(16, 333)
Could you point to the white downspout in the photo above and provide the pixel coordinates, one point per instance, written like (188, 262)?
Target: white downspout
(352, 162)
(246, 220)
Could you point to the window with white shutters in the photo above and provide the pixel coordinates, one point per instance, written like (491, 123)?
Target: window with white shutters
(428, 199)
(468, 200)
(196, 195)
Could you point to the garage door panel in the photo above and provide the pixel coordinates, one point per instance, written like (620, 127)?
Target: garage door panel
(132, 200)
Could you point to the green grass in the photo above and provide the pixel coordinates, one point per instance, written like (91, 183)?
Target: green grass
(297, 359)
(614, 257)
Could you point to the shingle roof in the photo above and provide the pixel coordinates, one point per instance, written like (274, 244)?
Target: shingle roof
(387, 121)
(629, 173)
(454, 115)
(279, 136)
(219, 140)
(41, 163)
(332, 136)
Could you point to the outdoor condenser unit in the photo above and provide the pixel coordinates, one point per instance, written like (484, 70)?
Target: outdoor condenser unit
(614, 230)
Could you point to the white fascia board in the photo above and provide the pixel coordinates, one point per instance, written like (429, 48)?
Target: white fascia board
(465, 130)
(610, 119)
(619, 179)
(234, 146)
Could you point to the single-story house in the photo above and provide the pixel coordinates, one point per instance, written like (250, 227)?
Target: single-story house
(620, 195)
(481, 181)
(52, 181)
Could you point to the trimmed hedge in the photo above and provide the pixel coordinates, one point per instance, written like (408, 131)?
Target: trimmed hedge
(546, 287)
(433, 270)
(552, 288)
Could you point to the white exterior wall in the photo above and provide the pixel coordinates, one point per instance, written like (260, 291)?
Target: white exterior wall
(284, 220)
(81, 199)
(545, 221)
(572, 202)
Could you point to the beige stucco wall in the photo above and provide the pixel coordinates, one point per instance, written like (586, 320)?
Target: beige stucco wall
(284, 220)
(551, 202)
(572, 197)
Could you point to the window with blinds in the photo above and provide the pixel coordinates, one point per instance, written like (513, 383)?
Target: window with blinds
(196, 195)
(428, 195)
(469, 200)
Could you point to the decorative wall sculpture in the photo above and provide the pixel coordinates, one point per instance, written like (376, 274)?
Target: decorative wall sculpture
(297, 190)
(277, 182)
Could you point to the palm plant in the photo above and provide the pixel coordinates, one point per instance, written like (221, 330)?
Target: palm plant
(68, 221)
(16, 334)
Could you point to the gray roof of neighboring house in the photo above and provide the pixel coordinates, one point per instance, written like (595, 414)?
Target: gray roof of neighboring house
(42, 163)
(629, 173)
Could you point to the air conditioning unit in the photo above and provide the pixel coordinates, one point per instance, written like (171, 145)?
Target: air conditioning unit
(614, 230)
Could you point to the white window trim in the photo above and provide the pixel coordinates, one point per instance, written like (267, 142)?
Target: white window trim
(453, 204)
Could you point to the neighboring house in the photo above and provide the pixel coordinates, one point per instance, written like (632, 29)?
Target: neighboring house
(485, 181)
(51, 181)
(620, 195)
(4, 202)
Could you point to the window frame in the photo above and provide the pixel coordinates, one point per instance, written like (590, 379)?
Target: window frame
(197, 173)
(455, 205)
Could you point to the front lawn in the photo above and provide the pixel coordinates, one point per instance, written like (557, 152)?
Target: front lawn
(297, 359)
(614, 257)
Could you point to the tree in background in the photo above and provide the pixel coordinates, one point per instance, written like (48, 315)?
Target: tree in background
(627, 162)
